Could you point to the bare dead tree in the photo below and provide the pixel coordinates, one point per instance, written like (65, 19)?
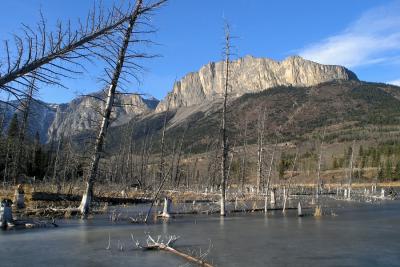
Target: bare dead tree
(212, 153)
(162, 141)
(25, 109)
(123, 60)
(319, 165)
(56, 162)
(144, 156)
(244, 157)
(260, 149)
(178, 161)
(224, 143)
(351, 165)
(50, 56)
(271, 163)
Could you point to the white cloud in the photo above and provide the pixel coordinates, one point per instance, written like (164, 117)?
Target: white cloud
(394, 82)
(374, 38)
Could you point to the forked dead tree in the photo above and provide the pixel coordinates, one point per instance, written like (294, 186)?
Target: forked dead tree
(49, 56)
(167, 245)
(123, 58)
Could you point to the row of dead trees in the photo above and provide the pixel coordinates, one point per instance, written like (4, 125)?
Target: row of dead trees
(47, 58)
(44, 58)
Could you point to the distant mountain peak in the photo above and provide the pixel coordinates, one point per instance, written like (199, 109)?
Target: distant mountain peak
(251, 74)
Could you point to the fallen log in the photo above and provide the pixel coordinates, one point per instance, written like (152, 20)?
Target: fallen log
(231, 211)
(167, 246)
(44, 196)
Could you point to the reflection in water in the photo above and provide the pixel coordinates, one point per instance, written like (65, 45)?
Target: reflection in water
(221, 221)
(165, 227)
(299, 222)
(253, 239)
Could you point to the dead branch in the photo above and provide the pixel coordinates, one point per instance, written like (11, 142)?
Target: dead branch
(160, 244)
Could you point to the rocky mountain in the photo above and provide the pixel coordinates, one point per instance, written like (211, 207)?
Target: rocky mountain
(83, 113)
(196, 93)
(53, 121)
(249, 75)
(350, 110)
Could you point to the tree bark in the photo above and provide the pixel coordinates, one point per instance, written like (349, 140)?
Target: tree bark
(260, 150)
(244, 158)
(318, 190)
(224, 144)
(88, 195)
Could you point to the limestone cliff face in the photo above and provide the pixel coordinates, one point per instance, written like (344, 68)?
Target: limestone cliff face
(83, 114)
(250, 74)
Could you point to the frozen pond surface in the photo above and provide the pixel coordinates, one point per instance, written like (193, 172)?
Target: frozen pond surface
(360, 235)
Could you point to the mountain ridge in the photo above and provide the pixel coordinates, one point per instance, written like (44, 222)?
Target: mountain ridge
(196, 92)
(250, 74)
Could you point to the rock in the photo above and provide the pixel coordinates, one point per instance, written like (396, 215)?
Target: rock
(52, 121)
(80, 114)
(250, 74)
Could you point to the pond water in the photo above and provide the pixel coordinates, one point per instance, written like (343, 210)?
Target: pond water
(360, 235)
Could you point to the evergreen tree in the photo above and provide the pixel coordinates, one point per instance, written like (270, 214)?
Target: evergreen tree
(361, 151)
(281, 169)
(13, 128)
(37, 156)
(396, 175)
(376, 158)
(381, 174)
(389, 170)
(364, 161)
(335, 163)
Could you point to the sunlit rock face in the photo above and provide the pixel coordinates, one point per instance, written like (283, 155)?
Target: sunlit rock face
(83, 114)
(248, 75)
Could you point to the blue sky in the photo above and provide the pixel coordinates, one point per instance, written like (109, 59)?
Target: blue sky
(363, 35)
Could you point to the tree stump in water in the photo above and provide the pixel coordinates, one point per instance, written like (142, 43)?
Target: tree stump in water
(5, 213)
(19, 197)
(167, 208)
(266, 203)
(273, 200)
(299, 212)
(318, 211)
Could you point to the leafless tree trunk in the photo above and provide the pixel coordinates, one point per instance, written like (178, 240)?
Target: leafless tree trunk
(244, 158)
(162, 145)
(319, 166)
(26, 104)
(178, 161)
(38, 50)
(270, 168)
(88, 195)
(143, 161)
(56, 180)
(224, 143)
(351, 164)
(260, 149)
